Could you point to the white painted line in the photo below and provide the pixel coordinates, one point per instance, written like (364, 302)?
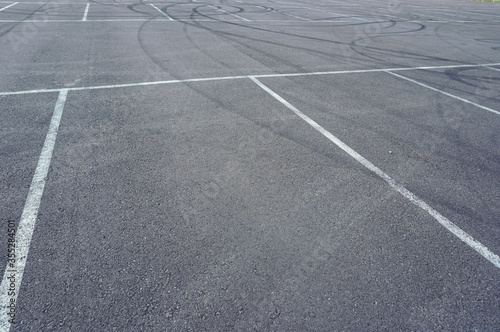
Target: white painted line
(163, 13)
(4, 8)
(358, 18)
(60, 3)
(432, 21)
(319, 20)
(126, 85)
(477, 13)
(455, 230)
(177, 20)
(492, 68)
(341, 15)
(300, 18)
(444, 93)
(323, 11)
(86, 12)
(338, 14)
(28, 217)
(387, 15)
(208, 79)
(442, 67)
(94, 20)
(361, 71)
(241, 18)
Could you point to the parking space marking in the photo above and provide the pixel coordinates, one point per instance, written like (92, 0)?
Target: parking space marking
(208, 79)
(6, 7)
(226, 12)
(59, 3)
(492, 68)
(27, 222)
(447, 22)
(358, 18)
(455, 12)
(31, 207)
(300, 18)
(454, 229)
(444, 93)
(176, 20)
(86, 12)
(79, 21)
(339, 15)
(162, 12)
(323, 11)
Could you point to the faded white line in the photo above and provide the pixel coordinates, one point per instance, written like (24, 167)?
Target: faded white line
(323, 11)
(300, 18)
(162, 12)
(59, 3)
(94, 20)
(444, 93)
(6, 7)
(492, 68)
(449, 22)
(361, 71)
(237, 16)
(177, 20)
(358, 18)
(341, 15)
(208, 79)
(126, 85)
(455, 230)
(442, 67)
(85, 13)
(14, 270)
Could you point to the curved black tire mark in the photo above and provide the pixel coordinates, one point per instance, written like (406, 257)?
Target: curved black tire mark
(23, 20)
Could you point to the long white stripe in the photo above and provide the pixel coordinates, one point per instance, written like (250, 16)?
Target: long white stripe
(86, 12)
(208, 79)
(178, 20)
(480, 248)
(358, 18)
(126, 85)
(445, 93)
(300, 18)
(4, 8)
(323, 11)
(91, 20)
(361, 71)
(29, 215)
(163, 13)
(237, 16)
(60, 3)
(492, 68)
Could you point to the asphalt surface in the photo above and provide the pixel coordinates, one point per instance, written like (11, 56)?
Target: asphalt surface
(185, 192)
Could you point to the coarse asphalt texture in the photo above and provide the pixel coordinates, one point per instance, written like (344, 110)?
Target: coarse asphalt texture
(190, 182)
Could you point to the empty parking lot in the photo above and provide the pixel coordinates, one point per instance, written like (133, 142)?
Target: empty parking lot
(238, 165)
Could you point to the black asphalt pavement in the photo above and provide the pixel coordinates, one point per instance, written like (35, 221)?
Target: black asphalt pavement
(245, 165)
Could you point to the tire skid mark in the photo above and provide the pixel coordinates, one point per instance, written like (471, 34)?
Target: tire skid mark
(30, 15)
